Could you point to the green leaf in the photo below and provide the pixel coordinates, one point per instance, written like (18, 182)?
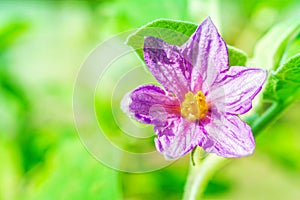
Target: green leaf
(10, 32)
(236, 56)
(284, 84)
(75, 174)
(270, 50)
(294, 47)
(175, 33)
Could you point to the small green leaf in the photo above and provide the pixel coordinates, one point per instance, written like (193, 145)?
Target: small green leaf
(175, 33)
(284, 84)
(236, 56)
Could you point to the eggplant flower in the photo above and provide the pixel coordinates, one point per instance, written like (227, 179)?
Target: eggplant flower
(201, 99)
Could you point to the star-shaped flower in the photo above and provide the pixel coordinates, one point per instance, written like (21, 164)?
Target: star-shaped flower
(201, 98)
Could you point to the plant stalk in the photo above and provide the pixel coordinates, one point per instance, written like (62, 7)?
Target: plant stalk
(201, 172)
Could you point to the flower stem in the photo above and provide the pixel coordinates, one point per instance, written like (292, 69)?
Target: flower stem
(201, 172)
(267, 118)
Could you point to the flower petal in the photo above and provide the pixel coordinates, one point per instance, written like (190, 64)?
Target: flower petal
(167, 66)
(178, 137)
(238, 87)
(229, 136)
(150, 104)
(207, 53)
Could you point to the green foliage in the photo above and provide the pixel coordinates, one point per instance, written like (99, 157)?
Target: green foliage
(293, 47)
(14, 95)
(279, 52)
(218, 186)
(175, 33)
(284, 84)
(75, 174)
(270, 50)
(171, 31)
(39, 157)
(236, 56)
(10, 32)
(282, 148)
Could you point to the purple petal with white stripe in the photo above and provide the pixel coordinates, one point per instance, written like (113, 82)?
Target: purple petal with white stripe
(238, 87)
(167, 66)
(229, 136)
(207, 53)
(178, 137)
(150, 104)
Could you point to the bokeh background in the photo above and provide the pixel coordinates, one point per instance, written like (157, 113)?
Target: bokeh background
(42, 46)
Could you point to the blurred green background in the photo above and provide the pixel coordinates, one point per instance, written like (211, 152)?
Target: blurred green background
(42, 46)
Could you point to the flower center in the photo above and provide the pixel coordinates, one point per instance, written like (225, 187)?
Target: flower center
(194, 106)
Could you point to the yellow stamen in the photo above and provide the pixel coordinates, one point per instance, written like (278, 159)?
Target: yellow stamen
(194, 106)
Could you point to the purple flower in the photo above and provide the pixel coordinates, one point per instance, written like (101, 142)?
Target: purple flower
(202, 96)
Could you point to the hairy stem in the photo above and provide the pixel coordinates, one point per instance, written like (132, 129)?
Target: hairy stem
(200, 174)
